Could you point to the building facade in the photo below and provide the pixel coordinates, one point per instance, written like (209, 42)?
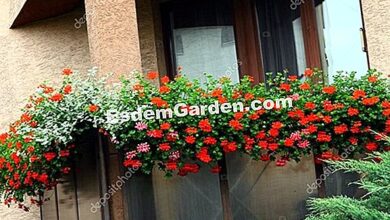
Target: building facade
(226, 37)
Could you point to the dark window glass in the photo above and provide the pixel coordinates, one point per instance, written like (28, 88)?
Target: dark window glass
(281, 36)
(201, 38)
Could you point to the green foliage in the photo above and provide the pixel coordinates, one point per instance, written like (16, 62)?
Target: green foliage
(375, 171)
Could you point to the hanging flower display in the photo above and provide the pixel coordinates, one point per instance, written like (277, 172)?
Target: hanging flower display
(323, 120)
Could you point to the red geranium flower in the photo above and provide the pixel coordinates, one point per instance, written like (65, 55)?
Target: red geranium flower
(203, 155)
(263, 144)
(171, 165)
(165, 80)
(371, 146)
(285, 86)
(372, 79)
(386, 112)
(228, 146)
(33, 124)
(152, 75)
(138, 87)
(329, 90)
(261, 135)
(254, 116)
(310, 105)
(159, 102)
(165, 126)
(328, 106)
(235, 124)
(273, 146)
(164, 89)
(370, 101)
(323, 137)
(57, 97)
(327, 119)
(164, 147)
(3, 138)
(49, 156)
(353, 111)
(132, 163)
(238, 115)
(30, 149)
(309, 72)
(277, 125)
(25, 117)
(43, 178)
(353, 140)
(289, 142)
(326, 155)
(311, 129)
(385, 104)
(191, 130)
(18, 145)
(205, 126)
(67, 89)
(15, 158)
(155, 133)
(305, 86)
(67, 72)
(358, 94)
(93, 108)
(274, 132)
(341, 129)
(249, 96)
(209, 141)
(190, 139)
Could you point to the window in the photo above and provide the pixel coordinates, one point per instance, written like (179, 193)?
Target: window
(221, 37)
(281, 36)
(73, 198)
(340, 31)
(202, 35)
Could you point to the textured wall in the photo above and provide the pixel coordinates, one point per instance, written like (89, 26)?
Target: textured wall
(377, 22)
(30, 55)
(146, 31)
(113, 35)
(14, 8)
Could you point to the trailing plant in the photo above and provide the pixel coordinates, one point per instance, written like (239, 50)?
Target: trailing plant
(324, 119)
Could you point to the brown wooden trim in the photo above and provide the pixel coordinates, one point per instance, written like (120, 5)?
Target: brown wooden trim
(313, 59)
(225, 197)
(365, 35)
(310, 35)
(56, 198)
(101, 164)
(247, 40)
(167, 29)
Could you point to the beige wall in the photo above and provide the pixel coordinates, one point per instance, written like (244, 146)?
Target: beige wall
(113, 35)
(30, 55)
(377, 23)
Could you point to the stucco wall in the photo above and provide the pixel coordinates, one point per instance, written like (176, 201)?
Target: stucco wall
(113, 35)
(30, 55)
(377, 22)
(14, 8)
